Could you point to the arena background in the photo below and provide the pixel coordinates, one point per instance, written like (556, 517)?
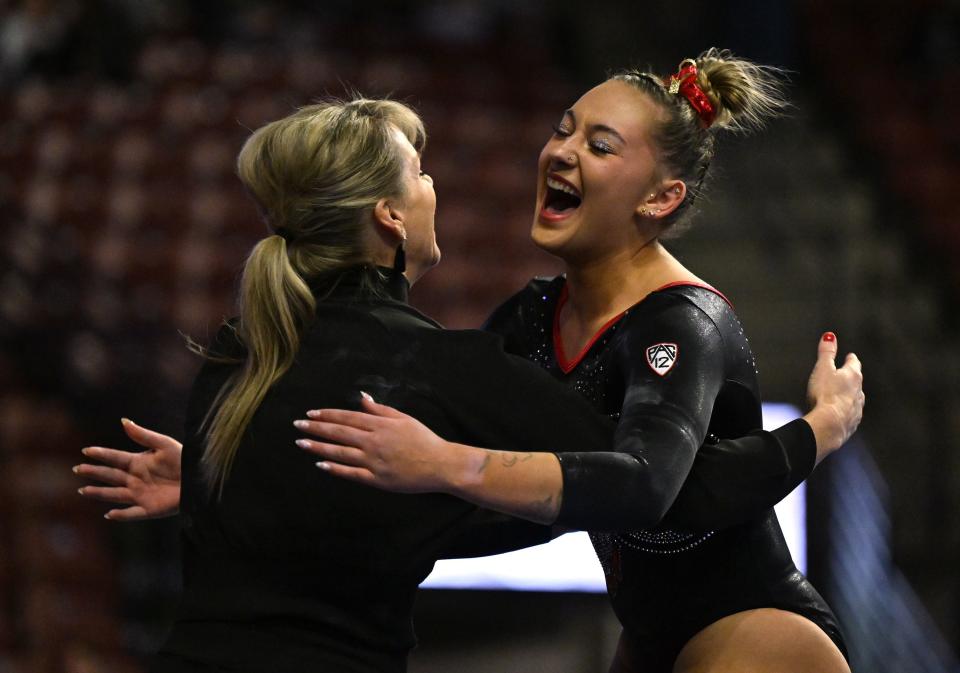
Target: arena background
(123, 226)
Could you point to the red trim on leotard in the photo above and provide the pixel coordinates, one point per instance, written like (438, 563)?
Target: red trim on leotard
(567, 366)
(681, 283)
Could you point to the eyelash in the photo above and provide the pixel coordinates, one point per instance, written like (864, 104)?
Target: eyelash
(599, 146)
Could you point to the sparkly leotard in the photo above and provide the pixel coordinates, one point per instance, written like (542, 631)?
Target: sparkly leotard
(676, 371)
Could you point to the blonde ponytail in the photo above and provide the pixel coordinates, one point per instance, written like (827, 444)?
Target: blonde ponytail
(313, 174)
(275, 307)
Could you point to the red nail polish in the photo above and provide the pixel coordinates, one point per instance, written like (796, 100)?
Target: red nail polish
(829, 336)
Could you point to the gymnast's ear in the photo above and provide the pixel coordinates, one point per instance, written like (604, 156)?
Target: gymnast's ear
(665, 200)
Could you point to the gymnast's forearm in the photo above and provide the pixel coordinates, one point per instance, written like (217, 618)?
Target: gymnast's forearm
(523, 484)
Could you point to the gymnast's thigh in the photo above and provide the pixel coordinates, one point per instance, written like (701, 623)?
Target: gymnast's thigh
(764, 640)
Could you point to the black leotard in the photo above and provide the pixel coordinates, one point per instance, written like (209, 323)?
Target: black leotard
(675, 370)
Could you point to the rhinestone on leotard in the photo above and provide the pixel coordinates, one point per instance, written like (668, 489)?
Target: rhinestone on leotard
(590, 379)
(661, 541)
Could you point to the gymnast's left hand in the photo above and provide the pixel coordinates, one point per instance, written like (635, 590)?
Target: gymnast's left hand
(382, 447)
(147, 482)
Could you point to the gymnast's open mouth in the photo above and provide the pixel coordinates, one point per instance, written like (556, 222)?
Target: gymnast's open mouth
(561, 198)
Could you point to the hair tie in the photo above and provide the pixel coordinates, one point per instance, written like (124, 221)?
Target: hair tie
(283, 233)
(684, 82)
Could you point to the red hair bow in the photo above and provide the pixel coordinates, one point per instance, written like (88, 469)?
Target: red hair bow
(685, 83)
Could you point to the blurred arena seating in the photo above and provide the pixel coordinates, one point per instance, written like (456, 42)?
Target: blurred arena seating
(889, 78)
(899, 86)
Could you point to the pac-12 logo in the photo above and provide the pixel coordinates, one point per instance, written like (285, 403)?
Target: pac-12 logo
(662, 357)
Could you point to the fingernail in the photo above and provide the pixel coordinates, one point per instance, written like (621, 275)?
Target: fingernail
(366, 396)
(829, 336)
(106, 516)
(314, 413)
(125, 421)
(323, 466)
(76, 469)
(303, 443)
(80, 490)
(302, 424)
(84, 450)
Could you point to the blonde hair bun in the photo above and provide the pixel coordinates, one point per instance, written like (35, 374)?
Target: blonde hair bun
(744, 94)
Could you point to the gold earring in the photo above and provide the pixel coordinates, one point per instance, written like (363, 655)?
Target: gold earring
(644, 212)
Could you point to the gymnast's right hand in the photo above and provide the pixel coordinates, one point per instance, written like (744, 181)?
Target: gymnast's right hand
(380, 446)
(835, 396)
(383, 447)
(148, 482)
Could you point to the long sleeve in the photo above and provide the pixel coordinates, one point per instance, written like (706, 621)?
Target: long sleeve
(663, 421)
(728, 482)
(736, 479)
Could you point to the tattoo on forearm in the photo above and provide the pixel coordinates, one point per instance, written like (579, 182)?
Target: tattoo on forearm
(547, 509)
(509, 458)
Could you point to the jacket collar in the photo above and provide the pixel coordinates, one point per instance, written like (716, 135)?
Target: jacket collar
(363, 283)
